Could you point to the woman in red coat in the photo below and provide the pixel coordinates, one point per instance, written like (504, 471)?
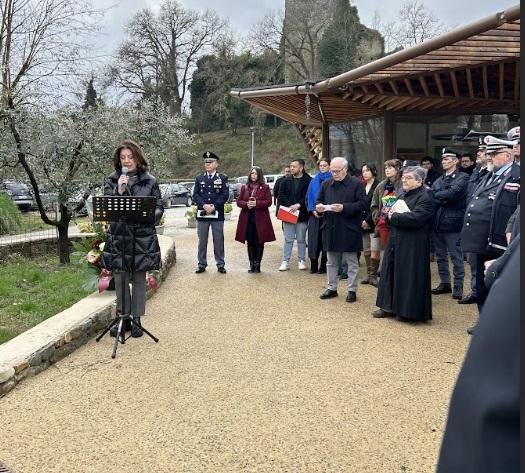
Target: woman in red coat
(255, 226)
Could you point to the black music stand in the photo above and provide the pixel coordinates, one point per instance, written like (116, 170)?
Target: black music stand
(129, 210)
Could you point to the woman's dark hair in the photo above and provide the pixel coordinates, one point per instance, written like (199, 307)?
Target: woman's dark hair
(260, 175)
(371, 167)
(394, 163)
(138, 156)
(327, 161)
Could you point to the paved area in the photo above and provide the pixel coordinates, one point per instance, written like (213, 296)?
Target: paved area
(253, 373)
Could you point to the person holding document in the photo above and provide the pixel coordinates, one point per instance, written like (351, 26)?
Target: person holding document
(342, 201)
(255, 225)
(404, 285)
(210, 193)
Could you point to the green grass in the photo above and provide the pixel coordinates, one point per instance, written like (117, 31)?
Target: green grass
(34, 290)
(273, 149)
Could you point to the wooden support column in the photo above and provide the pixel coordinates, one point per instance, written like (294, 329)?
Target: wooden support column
(326, 140)
(389, 136)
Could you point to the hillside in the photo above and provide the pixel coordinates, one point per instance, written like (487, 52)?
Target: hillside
(273, 149)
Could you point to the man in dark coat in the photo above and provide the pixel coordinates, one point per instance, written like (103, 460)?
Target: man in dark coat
(493, 203)
(479, 173)
(292, 194)
(450, 195)
(342, 199)
(432, 175)
(404, 285)
(467, 164)
(210, 193)
(483, 428)
(276, 187)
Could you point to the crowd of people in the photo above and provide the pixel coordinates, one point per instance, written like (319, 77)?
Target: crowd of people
(398, 225)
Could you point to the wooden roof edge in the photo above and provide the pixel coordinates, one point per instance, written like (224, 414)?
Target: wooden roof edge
(464, 32)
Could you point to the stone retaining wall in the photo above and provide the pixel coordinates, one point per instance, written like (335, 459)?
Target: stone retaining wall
(35, 350)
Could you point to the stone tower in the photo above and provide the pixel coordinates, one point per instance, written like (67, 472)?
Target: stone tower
(304, 24)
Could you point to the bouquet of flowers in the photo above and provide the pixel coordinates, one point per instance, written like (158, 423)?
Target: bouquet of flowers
(89, 253)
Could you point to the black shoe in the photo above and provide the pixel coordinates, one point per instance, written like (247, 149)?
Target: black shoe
(443, 288)
(470, 299)
(252, 267)
(457, 294)
(257, 267)
(136, 330)
(343, 276)
(200, 269)
(322, 271)
(351, 297)
(126, 327)
(221, 269)
(328, 294)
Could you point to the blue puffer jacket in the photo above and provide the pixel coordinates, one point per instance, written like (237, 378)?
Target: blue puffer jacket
(450, 194)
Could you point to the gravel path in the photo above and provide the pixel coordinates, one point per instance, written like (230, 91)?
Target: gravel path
(253, 373)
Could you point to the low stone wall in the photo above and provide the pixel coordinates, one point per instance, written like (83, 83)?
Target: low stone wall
(35, 350)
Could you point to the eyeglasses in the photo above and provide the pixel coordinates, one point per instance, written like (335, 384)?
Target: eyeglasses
(407, 178)
(336, 171)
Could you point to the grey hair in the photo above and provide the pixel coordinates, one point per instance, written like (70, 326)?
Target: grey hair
(419, 172)
(341, 160)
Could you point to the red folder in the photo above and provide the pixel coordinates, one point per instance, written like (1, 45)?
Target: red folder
(286, 215)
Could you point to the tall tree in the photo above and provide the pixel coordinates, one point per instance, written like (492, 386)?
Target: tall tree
(155, 62)
(90, 100)
(339, 45)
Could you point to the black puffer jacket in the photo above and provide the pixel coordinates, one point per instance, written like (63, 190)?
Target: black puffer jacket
(133, 247)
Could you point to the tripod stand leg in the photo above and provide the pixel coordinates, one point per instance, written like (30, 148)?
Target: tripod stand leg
(119, 338)
(149, 334)
(107, 329)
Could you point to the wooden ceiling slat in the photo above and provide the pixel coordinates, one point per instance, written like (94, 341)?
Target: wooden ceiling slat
(424, 85)
(401, 101)
(469, 83)
(394, 87)
(439, 85)
(408, 83)
(501, 81)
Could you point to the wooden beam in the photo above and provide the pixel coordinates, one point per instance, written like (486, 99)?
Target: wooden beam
(517, 82)
(485, 83)
(439, 85)
(394, 87)
(379, 87)
(387, 100)
(408, 83)
(400, 103)
(454, 81)
(423, 83)
(469, 82)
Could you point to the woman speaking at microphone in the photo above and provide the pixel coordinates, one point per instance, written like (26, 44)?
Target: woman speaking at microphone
(132, 249)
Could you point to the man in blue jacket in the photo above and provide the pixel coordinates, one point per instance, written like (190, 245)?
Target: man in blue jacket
(210, 193)
(450, 194)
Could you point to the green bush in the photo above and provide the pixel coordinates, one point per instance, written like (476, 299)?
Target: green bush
(10, 216)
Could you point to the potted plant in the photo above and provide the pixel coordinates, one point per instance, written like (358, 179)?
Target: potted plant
(191, 215)
(228, 211)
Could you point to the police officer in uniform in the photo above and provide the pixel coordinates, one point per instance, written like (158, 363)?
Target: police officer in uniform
(494, 201)
(210, 193)
(450, 194)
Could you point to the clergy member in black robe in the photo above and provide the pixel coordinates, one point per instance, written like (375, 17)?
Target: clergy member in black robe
(404, 285)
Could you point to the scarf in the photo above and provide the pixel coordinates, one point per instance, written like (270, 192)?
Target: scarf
(314, 188)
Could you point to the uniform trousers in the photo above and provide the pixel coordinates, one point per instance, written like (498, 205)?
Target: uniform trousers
(217, 232)
(449, 244)
(332, 269)
(134, 300)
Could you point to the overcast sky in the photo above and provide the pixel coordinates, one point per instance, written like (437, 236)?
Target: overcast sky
(242, 14)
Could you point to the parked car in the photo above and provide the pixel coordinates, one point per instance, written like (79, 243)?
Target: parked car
(19, 194)
(175, 194)
(238, 184)
(271, 178)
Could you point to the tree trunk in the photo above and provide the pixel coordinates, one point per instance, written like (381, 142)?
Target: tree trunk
(63, 235)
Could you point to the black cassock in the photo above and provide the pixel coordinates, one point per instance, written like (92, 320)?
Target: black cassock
(404, 285)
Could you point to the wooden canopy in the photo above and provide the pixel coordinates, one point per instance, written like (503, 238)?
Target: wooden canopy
(471, 70)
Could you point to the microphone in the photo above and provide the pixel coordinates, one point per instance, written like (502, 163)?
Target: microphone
(125, 171)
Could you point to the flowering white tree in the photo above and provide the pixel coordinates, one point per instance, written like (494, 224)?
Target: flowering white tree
(69, 150)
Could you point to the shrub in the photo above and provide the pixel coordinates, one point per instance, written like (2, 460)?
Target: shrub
(228, 208)
(10, 216)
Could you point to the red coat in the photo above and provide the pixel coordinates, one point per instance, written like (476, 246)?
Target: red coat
(263, 221)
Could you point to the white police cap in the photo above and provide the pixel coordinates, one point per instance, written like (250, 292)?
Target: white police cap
(496, 144)
(514, 134)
